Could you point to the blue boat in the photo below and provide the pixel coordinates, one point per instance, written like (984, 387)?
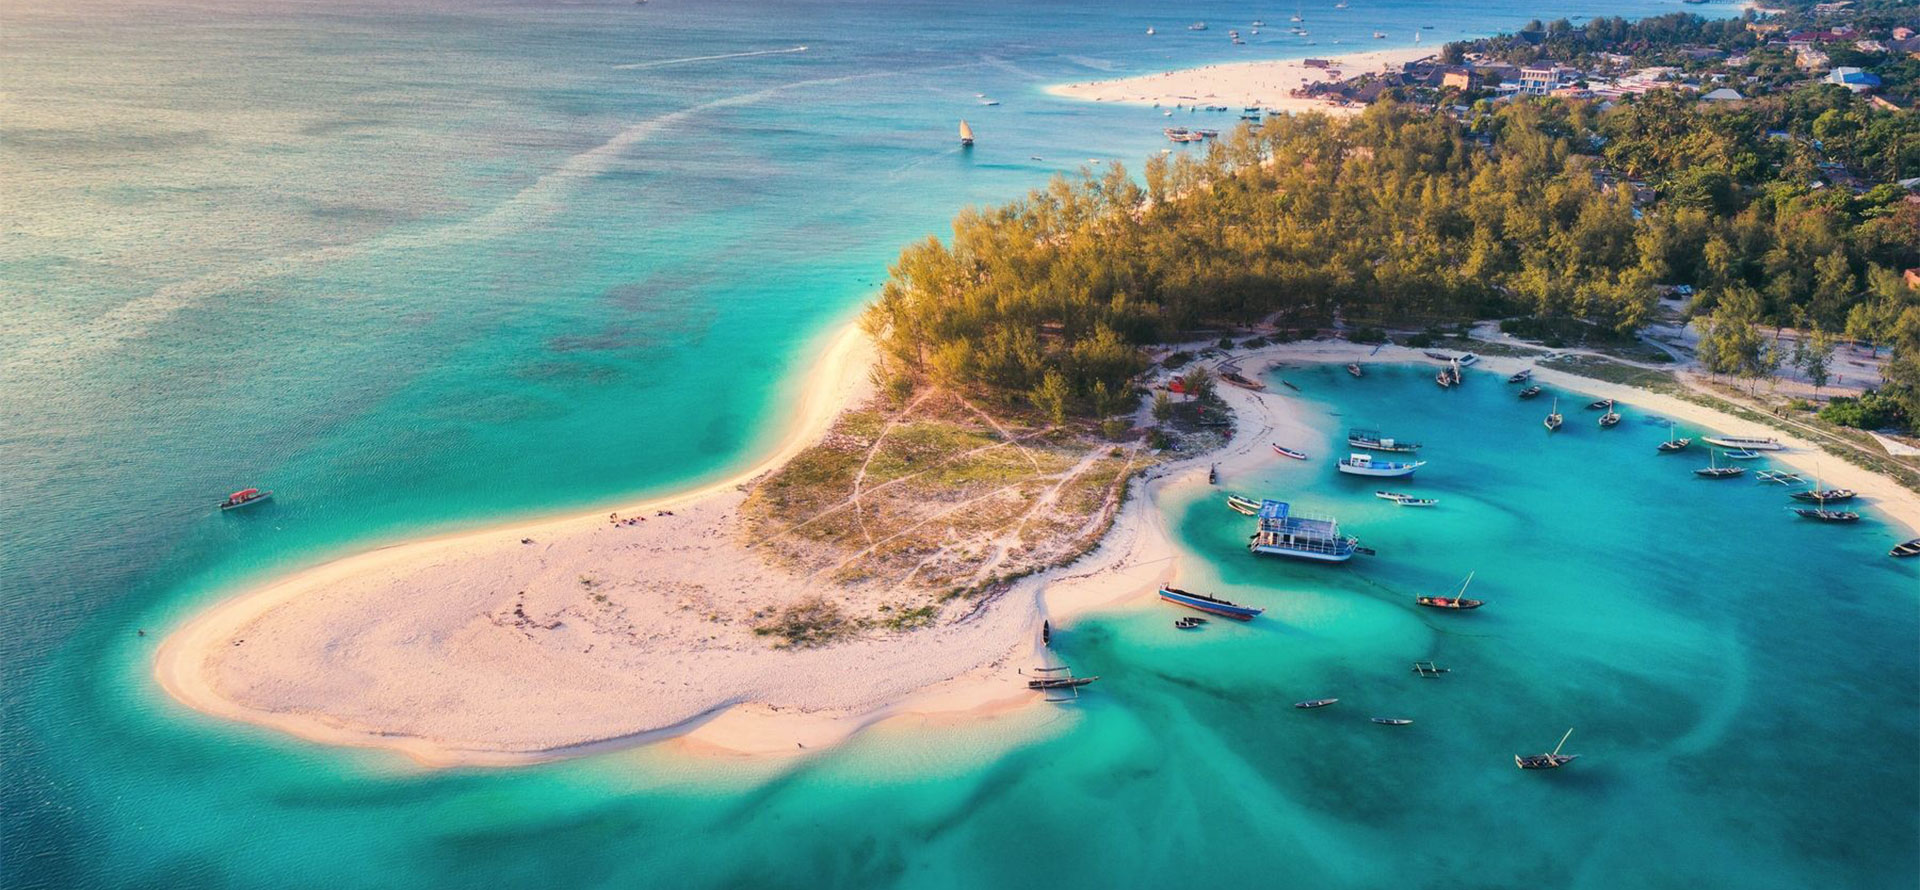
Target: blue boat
(1301, 537)
(1208, 604)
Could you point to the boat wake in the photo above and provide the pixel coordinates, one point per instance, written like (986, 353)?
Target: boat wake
(637, 66)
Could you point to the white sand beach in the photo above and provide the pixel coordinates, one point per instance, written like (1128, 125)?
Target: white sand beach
(1266, 84)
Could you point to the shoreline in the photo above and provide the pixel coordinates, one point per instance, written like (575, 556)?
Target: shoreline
(1266, 84)
(1137, 554)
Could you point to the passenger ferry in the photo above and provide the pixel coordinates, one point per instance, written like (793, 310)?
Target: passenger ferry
(1301, 537)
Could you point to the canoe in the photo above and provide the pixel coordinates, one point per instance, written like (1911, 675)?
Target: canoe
(1281, 449)
(1315, 703)
(1392, 721)
(1905, 549)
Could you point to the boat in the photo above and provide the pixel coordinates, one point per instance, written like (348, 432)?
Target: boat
(1714, 471)
(1600, 405)
(1672, 444)
(1457, 601)
(1554, 420)
(1392, 721)
(1430, 670)
(1745, 443)
(1209, 604)
(1609, 420)
(1355, 370)
(1301, 537)
(989, 102)
(1780, 476)
(1444, 378)
(1530, 392)
(1379, 35)
(1213, 474)
(1234, 34)
(1234, 378)
(1373, 441)
(1405, 500)
(1189, 623)
(1046, 633)
(1315, 703)
(1288, 452)
(1259, 24)
(1438, 356)
(1521, 376)
(966, 135)
(1825, 515)
(1905, 549)
(1197, 26)
(1467, 359)
(1362, 464)
(245, 497)
(1245, 506)
(1149, 30)
(1812, 496)
(1554, 760)
(1063, 682)
(1741, 454)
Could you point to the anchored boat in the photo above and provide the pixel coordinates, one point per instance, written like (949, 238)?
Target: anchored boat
(1315, 703)
(1905, 549)
(245, 497)
(1405, 500)
(1301, 537)
(1209, 604)
(1457, 601)
(1244, 506)
(1362, 464)
(1521, 376)
(1354, 369)
(1530, 392)
(1554, 760)
(966, 135)
(1672, 444)
(1714, 471)
(1392, 721)
(1610, 419)
(1824, 515)
(1555, 419)
(1371, 440)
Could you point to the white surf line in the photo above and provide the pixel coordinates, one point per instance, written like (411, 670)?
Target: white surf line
(635, 66)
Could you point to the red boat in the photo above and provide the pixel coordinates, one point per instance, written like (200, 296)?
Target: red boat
(1457, 601)
(244, 497)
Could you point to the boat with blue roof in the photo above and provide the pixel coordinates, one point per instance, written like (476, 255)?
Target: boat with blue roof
(1301, 537)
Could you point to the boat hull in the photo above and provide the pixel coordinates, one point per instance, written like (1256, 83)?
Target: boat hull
(224, 505)
(1313, 555)
(1389, 472)
(1748, 444)
(1224, 610)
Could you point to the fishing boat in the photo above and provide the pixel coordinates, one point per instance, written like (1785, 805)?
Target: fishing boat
(1781, 477)
(1197, 26)
(1288, 452)
(1405, 500)
(1813, 496)
(1058, 682)
(1601, 405)
(1354, 369)
(1714, 471)
(1233, 34)
(1554, 760)
(966, 135)
(1521, 376)
(1443, 378)
(1209, 604)
(1244, 506)
(1429, 670)
(1373, 441)
(1530, 392)
(1189, 623)
(1392, 721)
(1741, 454)
(1825, 515)
(1554, 420)
(1315, 703)
(1457, 601)
(1301, 537)
(1609, 420)
(1363, 464)
(1438, 356)
(1379, 35)
(245, 497)
(1673, 445)
(1905, 549)
(1744, 443)
(1234, 378)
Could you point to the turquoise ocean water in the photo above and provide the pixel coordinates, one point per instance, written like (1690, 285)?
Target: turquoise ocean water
(422, 266)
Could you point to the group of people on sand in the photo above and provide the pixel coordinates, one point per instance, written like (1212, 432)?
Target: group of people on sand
(614, 518)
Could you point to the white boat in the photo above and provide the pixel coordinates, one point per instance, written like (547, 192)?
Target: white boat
(1468, 359)
(1745, 443)
(1149, 31)
(244, 498)
(1362, 464)
(1197, 26)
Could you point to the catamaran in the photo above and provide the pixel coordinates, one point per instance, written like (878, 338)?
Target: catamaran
(1209, 604)
(1363, 464)
(244, 497)
(1373, 441)
(1457, 601)
(1301, 537)
(1748, 443)
(1554, 760)
(1554, 420)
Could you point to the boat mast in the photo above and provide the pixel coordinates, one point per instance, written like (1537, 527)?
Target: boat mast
(1563, 742)
(1462, 592)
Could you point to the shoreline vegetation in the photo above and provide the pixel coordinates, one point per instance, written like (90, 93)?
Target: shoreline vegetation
(986, 451)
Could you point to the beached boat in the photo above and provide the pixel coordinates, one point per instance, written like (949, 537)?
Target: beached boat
(1288, 452)
(1467, 359)
(1354, 369)
(1745, 443)
(1458, 601)
(1829, 495)
(245, 497)
(966, 135)
(1234, 378)
(1209, 604)
(1301, 537)
(1438, 356)
(1603, 404)
(1373, 441)
(1058, 682)
(1521, 376)
(1315, 703)
(1823, 514)
(1553, 760)
(1609, 420)
(1714, 471)
(1530, 392)
(1363, 464)
(1392, 721)
(1905, 549)
(1555, 419)
(1244, 506)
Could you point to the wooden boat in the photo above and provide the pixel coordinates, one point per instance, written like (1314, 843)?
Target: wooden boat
(1603, 404)
(1354, 369)
(1824, 515)
(1315, 703)
(1554, 420)
(1714, 471)
(1673, 445)
(1741, 454)
(1392, 721)
(1812, 496)
(1405, 500)
(1213, 474)
(1390, 495)
(1444, 378)
(1057, 678)
(1905, 549)
(1458, 601)
(1609, 420)
(1521, 376)
(1530, 392)
(1288, 452)
(1371, 440)
(1362, 464)
(1236, 379)
(1243, 506)
(245, 497)
(1438, 356)
(1301, 537)
(1046, 633)
(1781, 476)
(1189, 623)
(1745, 443)
(1429, 670)
(966, 135)
(1209, 604)
(1553, 760)
(1289, 384)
